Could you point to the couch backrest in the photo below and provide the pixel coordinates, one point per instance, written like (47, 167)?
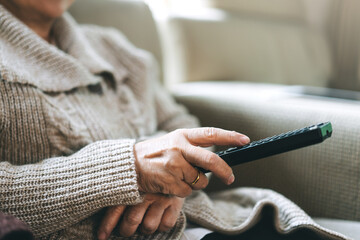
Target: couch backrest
(291, 10)
(132, 17)
(303, 42)
(346, 39)
(252, 40)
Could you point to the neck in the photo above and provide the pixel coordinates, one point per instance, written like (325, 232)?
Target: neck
(42, 29)
(40, 24)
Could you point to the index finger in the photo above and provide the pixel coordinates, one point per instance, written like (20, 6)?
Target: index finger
(208, 136)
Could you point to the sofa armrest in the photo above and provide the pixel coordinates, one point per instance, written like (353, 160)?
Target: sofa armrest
(323, 179)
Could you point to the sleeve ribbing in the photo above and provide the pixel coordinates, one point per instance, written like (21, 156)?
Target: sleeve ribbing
(58, 192)
(171, 115)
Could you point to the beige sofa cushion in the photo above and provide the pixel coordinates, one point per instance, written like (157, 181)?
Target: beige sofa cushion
(322, 47)
(346, 33)
(225, 45)
(293, 9)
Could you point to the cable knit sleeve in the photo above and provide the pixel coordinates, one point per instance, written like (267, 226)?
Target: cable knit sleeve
(65, 190)
(172, 115)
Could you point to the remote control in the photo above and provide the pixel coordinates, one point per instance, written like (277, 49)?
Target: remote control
(277, 144)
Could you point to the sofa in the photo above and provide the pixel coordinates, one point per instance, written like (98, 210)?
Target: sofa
(223, 66)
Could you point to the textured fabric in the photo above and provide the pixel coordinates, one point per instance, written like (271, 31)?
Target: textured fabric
(322, 179)
(69, 120)
(238, 210)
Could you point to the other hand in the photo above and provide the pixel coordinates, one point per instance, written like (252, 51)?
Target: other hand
(157, 212)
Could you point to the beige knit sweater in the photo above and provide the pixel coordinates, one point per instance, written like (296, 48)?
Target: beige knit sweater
(69, 118)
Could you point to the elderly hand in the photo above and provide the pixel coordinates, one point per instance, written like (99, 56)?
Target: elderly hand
(167, 164)
(157, 212)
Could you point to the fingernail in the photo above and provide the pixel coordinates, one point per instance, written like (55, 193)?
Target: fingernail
(244, 139)
(231, 179)
(102, 236)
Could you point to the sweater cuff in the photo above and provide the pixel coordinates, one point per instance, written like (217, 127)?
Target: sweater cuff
(112, 179)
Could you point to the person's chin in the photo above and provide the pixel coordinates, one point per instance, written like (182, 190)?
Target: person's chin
(55, 10)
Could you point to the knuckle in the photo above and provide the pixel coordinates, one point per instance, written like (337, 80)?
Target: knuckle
(211, 160)
(169, 188)
(185, 192)
(211, 132)
(181, 190)
(118, 209)
(173, 163)
(173, 191)
(148, 228)
(180, 131)
(168, 224)
(133, 218)
(170, 163)
(173, 143)
(174, 150)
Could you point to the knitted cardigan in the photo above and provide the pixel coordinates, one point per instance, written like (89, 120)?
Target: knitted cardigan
(69, 118)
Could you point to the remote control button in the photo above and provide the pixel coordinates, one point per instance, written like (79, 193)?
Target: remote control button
(231, 149)
(220, 153)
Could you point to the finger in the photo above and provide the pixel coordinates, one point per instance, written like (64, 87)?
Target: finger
(205, 159)
(180, 167)
(169, 218)
(133, 216)
(152, 218)
(195, 178)
(108, 223)
(181, 189)
(183, 170)
(209, 136)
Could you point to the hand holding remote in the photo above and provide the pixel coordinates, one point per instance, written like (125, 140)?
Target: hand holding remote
(167, 164)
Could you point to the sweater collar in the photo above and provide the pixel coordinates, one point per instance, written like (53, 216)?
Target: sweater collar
(26, 58)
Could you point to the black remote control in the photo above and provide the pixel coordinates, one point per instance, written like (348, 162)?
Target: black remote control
(277, 144)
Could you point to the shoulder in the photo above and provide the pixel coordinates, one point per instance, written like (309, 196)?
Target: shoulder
(116, 48)
(106, 33)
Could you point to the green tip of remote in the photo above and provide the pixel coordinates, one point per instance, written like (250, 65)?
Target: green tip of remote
(326, 130)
